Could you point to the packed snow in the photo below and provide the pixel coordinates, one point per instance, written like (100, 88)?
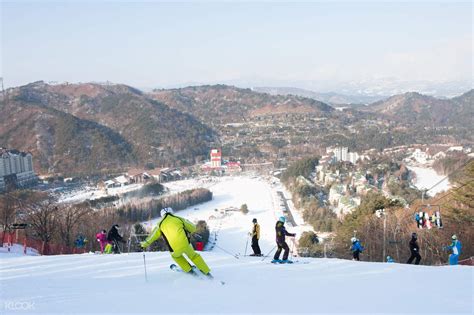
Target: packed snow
(106, 284)
(427, 177)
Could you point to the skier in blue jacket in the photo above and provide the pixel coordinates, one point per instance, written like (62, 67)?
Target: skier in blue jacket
(356, 248)
(456, 248)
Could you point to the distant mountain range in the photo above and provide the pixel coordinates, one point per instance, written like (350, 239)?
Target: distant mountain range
(335, 99)
(90, 128)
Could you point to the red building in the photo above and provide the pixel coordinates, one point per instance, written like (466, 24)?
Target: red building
(216, 158)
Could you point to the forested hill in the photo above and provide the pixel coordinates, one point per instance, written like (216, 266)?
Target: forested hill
(89, 127)
(226, 104)
(427, 110)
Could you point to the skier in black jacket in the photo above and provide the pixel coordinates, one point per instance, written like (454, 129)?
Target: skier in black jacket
(281, 232)
(415, 250)
(114, 237)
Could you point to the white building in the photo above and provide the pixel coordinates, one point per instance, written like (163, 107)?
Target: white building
(16, 168)
(353, 157)
(343, 154)
(420, 156)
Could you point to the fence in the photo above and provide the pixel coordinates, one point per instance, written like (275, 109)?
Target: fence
(42, 247)
(467, 262)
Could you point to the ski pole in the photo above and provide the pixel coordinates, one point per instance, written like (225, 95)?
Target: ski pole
(246, 244)
(269, 253)
(233, 255)
(215, 244)
(144, 265)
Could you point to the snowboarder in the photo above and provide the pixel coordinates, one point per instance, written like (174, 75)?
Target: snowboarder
(255, 237)
(414, 249)
(456, 248)
(281, 232)
(356, 248)
(175, 231)
(114, 238)
(102, 239)
(390, 259)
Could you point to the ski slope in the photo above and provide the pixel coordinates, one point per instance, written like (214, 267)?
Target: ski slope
(427, 177)
(111, 284)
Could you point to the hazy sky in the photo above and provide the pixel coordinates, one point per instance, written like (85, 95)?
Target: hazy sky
(151, 44)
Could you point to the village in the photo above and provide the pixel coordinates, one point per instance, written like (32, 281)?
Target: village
(342, 177)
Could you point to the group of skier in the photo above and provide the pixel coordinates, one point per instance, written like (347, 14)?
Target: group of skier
(455, 247)
(281, 244)
(109, 242)
(176, 232)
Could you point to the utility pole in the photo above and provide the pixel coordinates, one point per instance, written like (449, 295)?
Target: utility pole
(384, 236)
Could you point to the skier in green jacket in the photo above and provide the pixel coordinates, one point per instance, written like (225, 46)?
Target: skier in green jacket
(175, 231)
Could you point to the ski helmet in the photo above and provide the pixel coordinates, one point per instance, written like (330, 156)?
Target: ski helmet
(353, 240)
(254, 220)
(413, 235)
(282, 219)
(454, 237)
(165, 211)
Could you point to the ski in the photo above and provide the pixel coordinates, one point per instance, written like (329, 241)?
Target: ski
(196, 273)
(281, 262)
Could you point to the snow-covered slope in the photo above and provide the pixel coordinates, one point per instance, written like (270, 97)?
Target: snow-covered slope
(101, 284)
(116, 284)
(427, 177)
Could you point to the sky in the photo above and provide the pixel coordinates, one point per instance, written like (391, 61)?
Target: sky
(166, 44)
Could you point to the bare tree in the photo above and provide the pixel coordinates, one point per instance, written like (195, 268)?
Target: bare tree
(69, 218)
(42, 215)
(8, 207)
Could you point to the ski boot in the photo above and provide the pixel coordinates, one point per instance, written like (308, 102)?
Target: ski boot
(276, 261)
(286, 261)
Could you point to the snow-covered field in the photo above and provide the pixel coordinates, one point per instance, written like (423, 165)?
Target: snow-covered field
(91, 193)
(110, 284)
(427, 177)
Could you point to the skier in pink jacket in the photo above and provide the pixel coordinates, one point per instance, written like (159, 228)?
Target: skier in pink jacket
(102, 239)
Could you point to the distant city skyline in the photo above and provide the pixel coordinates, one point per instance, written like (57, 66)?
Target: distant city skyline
(356, 47)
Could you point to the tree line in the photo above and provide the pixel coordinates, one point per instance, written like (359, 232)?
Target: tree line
(54, 223)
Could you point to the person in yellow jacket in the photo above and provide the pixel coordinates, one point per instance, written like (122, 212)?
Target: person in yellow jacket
(255, 237)
(175, 231)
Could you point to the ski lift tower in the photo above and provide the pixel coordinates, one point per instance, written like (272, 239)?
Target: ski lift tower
(381, 214)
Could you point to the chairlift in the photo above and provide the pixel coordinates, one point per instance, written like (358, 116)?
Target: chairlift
(428, 216)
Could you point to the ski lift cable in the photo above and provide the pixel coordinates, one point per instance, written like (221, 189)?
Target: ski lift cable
(454, 190)
(447, 176)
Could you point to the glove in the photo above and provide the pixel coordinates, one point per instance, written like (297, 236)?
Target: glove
(143, 244)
